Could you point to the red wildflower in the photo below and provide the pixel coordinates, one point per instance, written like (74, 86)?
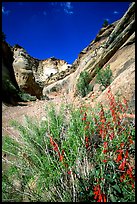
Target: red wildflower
(122, 177)
(61, 158)
(133, 185)
(51, 141)
(122, 144)
(130, 141)
(104, 160)
(126, 155)
(129, 171)
(69, 172)
(98, 195)
(119, 150)
(54, 144)
(105, 151)
(111, 136)
(86, 127)
(119, 157)
(84, 118)
(130, 168)
(87, 122)
(122, 165)
(86, 139)
(105, 144)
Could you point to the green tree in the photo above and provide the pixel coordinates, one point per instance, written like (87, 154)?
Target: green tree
(83, 86)
(104, 77)
(105, 24)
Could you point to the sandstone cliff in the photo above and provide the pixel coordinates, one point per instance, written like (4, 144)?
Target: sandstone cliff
(10, 88)
(115, 46)
(31, 74)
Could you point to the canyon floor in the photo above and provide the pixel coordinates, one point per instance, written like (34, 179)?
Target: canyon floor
(34, 109)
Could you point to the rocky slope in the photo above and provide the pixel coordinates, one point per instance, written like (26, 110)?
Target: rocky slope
(114, 46)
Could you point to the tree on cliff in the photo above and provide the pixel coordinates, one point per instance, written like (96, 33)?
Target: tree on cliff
(105, 24)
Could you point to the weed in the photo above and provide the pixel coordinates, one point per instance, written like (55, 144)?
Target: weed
(83, 86)
(104, 77)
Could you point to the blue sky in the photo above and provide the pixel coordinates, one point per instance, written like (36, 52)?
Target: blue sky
(59, 29)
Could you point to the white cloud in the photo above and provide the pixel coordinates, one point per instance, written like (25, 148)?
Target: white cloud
(67, 7)
(68, 12)
(4, 11)
(115, 12)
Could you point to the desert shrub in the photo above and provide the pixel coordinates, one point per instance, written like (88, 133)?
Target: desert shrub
(83, 86)
(26, 96)
(74, 155)
(104, 77)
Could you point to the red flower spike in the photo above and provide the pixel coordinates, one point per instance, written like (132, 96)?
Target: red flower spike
(104, 160)
(61, 158)
(87, 123)
(84, 118)
(122, 177)
(69, 172)
(131, 141)
(54, 144)
(51, 141)
(130, 168)
(86, 139)
(119, 150)
(119, 157)
(63, 152)
(122, 165)
(133, 185)
(111, 136)
(56, 149)
(105, 144)
(122, 144)
(126, 155)
(86, 127)
(105, 151)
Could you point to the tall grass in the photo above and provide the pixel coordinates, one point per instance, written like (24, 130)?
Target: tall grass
(74, 155)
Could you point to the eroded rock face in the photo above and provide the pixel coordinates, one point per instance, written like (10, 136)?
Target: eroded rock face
(32, 74)
(24, 66)
(10, 87)
(50, 67)
(114, 46)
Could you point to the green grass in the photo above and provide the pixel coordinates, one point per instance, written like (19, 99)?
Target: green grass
(71, 157)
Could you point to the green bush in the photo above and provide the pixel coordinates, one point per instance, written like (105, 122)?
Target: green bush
(83, 86)
(73, 155)
(105, 24)
(104, 77)
(27, 97)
